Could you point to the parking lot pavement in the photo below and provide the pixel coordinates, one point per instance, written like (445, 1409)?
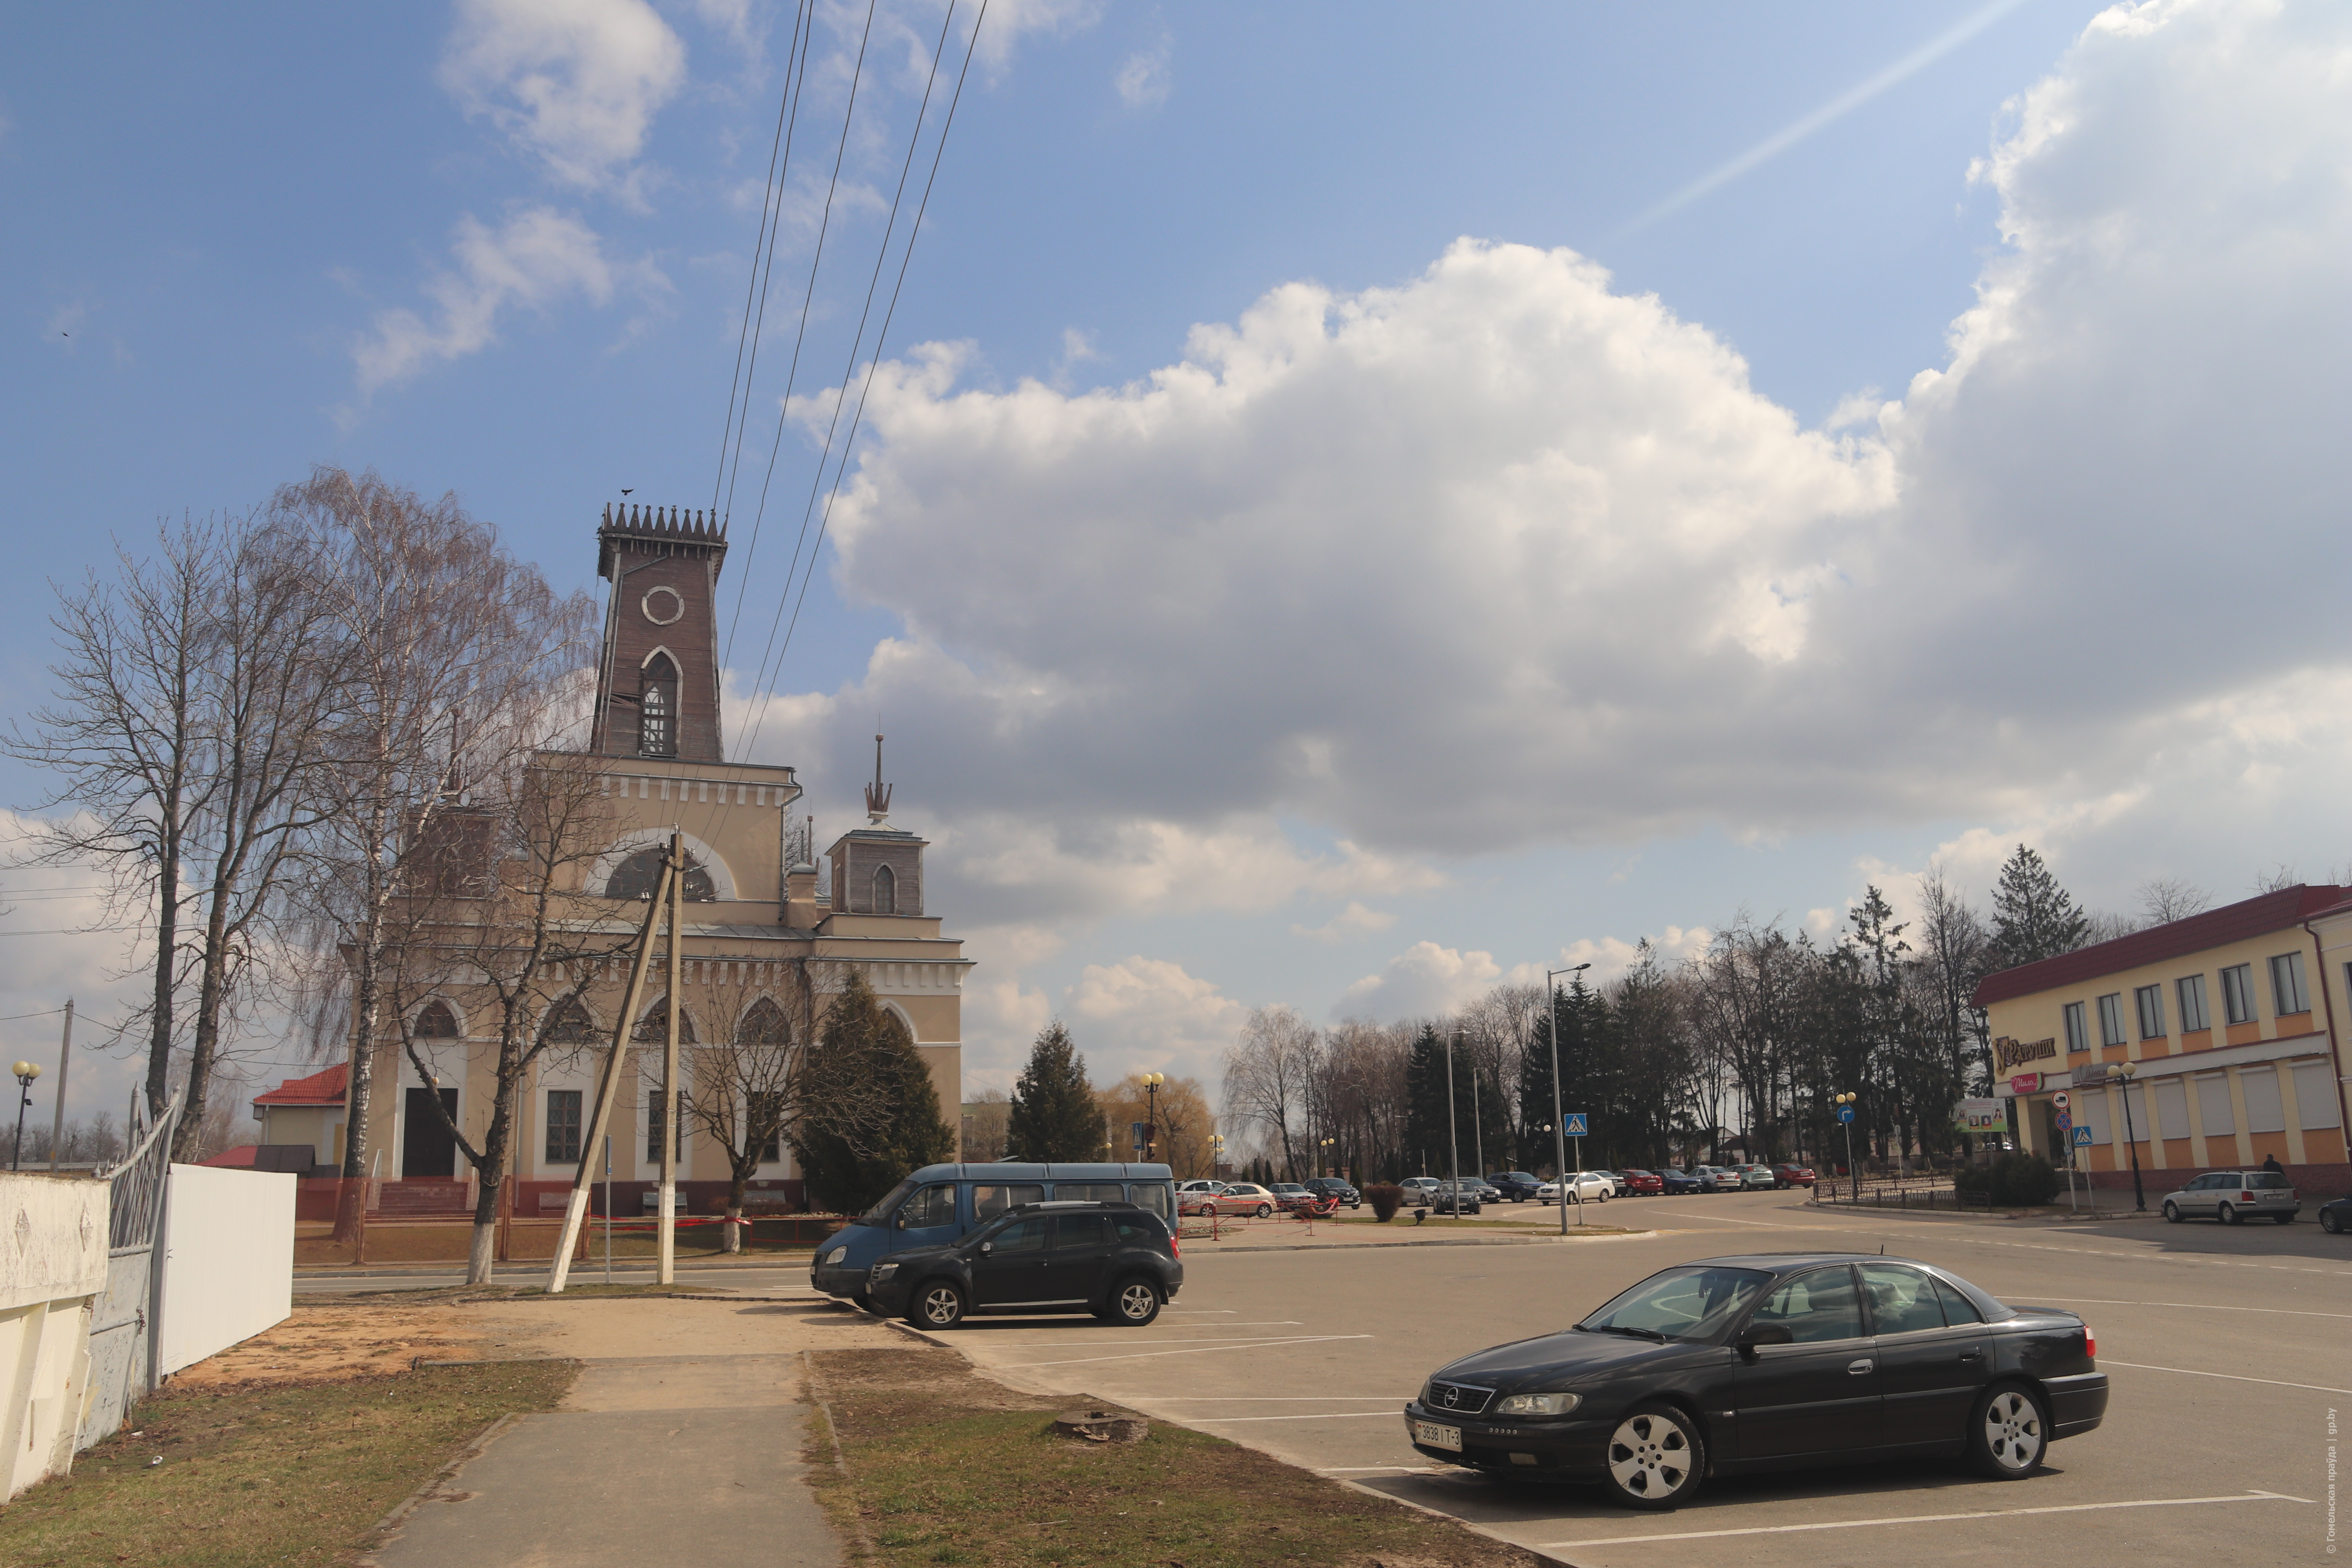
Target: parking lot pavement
(2227, 1351)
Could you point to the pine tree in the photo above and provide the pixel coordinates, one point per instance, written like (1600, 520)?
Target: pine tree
(2033, 917)
(1053, 1114)
(879, 1120)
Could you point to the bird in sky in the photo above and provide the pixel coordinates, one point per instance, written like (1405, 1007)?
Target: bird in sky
(628, 492)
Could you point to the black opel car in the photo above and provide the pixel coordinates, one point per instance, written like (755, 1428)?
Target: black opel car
(1113, 1259)
(1764, 1362)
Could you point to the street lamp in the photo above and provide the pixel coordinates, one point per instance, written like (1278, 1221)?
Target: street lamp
(1151, 1082)
(1323, 1153)
(26, 1073)
(1560, 1120)
(1216, 1155)
(1852, 1171)
(2126, 1071)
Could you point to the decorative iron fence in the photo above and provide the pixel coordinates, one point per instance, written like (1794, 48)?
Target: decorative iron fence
(123, 1335)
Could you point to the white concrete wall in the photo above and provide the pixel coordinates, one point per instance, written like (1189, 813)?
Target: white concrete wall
(228, 1270)
(53, 1241)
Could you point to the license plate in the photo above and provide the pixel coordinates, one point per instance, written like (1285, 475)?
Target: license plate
(1437, 1436)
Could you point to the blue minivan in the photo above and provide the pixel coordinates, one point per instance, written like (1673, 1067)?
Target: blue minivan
(941, 1204)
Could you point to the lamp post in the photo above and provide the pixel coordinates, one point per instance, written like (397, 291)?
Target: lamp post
(1151, 1082)
(2126, 1071)
(1852, 1171)
(1558, 1119)
(1323, 1155)
(1216, 1156)
(26, 1073)
(1453, 1137)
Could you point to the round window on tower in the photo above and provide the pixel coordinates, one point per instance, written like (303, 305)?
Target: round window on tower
(663, 605)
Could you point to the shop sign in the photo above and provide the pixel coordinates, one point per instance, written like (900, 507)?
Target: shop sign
(2007, 1053)
(1981, 1115)
(2026, 1083)
(2091, 1074)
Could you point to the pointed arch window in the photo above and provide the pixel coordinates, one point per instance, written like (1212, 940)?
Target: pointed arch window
(640, 873)
(435, 1022)
(569, 1024)
(886, 891)
(652, 1028)
(657, 708)
(763, 1024)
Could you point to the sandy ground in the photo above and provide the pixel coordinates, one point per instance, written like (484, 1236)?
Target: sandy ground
(334, 1339)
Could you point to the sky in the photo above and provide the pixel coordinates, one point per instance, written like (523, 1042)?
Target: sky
(1344, 512)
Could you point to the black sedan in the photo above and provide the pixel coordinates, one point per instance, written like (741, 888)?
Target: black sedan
(1113, 1259)
(1769, 1362)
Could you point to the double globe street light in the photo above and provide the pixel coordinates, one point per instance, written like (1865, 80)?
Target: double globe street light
(26, 1073)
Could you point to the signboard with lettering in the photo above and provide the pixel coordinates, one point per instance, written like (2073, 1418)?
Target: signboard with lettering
(2007, 1053)
(1981, 1115)
(2025, 1083)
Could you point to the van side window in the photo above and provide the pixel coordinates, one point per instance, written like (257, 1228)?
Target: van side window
(988, 1202)
(1089, 1192)
(1151, 1195)
(931, 1207)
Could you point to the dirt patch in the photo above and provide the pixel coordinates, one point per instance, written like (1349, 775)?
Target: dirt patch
(327, 1340)
(615, 1326)
(940, 1465)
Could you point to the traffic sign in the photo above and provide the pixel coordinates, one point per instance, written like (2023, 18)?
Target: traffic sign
(2065, 1122)
(2082, 1137)
(2059, 1099)
(1575, 1124)
(1845, 1113)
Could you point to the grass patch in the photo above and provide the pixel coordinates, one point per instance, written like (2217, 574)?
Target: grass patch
(944, 1467)
(255, 1474)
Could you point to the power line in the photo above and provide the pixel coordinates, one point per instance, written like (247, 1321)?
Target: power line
(905, 259)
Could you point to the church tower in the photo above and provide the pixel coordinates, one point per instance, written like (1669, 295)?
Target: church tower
(657, 690)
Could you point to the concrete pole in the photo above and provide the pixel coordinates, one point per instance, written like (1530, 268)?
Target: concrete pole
(58, 1121)
(1453, 1134)
(668, 1229)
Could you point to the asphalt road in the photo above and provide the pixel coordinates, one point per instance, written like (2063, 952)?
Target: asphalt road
(2228, 1353)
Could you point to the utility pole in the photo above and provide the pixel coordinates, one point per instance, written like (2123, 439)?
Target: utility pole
(1559, 1122)
(1453, 1134)
(58, 1121)
(667, 1230)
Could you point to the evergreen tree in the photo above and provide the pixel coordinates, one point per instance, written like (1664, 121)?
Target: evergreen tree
(880, 1119)
(1053, 1114)
(2033, 917)
(1424, 1104)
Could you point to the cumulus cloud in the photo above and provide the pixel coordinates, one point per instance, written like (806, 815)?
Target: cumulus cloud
(1423, 981)
(574, 84)
(1355, 920)
(1142, 78)
(538, 257)
(1143, 1014)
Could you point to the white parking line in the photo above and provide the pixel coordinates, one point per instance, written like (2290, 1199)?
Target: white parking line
(1154, 1355)
(1921, 1519)
(2230, 1377)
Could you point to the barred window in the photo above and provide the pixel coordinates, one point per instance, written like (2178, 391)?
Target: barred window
(657, 708)
(563, 1126)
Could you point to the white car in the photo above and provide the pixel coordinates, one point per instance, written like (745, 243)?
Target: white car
(1420, 1192)
(1583, 1188)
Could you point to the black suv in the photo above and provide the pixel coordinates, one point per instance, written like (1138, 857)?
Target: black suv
(1333, 1187)
(1515, 1185)
(1113, 1259)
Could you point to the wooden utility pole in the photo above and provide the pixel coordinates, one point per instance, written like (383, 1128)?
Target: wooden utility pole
(65, 1059)
(668, 1223)
(608, 1090)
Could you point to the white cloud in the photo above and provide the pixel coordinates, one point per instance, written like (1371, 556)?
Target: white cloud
(537, 258)
(1142, 78)
(1423, 981)
(1147, 1014)
(1611, 956)
(573, 83)
(1355, 920)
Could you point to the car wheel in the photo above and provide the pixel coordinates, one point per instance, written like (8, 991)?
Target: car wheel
(1655, 1457)
(938, 1305)
(2008, 1433)
(2229, 1214)
(1134, 1303)
(2329, 1223)
(1264, 1210)
(2172, 1214)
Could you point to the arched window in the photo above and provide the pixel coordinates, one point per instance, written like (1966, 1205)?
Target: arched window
(657, 708)
(886, 891)
(640, 873)
(764, 1024)
(569, 1024)
(435, 1022)
(652, 1028)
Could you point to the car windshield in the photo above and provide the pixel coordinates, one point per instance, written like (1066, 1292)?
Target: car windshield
(880, 1213)
(1681, 1304)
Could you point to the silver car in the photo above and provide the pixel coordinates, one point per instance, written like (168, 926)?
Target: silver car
(2233, 1195)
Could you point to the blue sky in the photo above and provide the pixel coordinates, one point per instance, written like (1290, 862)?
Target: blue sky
(502, 248)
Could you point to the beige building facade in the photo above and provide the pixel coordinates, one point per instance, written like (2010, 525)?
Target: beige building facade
(2232, 1022)
(760, 938)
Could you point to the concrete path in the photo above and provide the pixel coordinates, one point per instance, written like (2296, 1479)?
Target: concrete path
(651, 1459)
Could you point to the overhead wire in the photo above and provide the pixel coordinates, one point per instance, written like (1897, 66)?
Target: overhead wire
(841, 467)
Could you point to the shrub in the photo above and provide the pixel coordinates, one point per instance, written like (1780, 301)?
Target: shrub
(2013, 1180)
(1386, 1198)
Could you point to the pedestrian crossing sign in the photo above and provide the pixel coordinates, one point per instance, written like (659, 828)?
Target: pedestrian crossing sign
(2082, 1137)
(1575, 1126)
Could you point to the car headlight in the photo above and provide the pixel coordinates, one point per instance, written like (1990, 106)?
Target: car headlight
(1535, 1405)
(880, 1272)
(837, 1255)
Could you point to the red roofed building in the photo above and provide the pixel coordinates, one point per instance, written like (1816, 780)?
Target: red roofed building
(2231, 1021)
(308, 1110)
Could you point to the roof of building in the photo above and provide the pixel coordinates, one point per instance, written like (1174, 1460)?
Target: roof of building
(328, 1087)
(2282, 910)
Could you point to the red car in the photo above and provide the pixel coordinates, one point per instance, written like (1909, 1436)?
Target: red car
(1640, 1182)
(1786, 1176)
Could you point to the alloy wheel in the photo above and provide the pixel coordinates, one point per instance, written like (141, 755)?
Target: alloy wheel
(1137, 1301)
(2013, 1431)
(2229, 1214)
(942, 1306)
(1650, 1457)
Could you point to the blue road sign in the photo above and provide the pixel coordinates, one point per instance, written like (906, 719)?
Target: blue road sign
(2082, 1137)
(1575, 1125)
(1845, 1113)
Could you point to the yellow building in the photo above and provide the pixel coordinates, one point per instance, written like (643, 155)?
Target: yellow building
(2230, 1019)
(759, 934)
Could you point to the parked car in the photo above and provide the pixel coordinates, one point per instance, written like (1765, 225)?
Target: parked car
(1724, 1178)
(1199, 1200)
(1757, 1361)
(1786, 1175)
(1514, 1187)
(1756, 1176)
(1114, 1260)
(1336, 1189)
(1676, 1180)
(1418, 1190)
(1293, 1197)
(1642, 1183)
(2336, 1217)
(1468, 1196)
(2233, 1195)
(1243, 1197)
(1582, 1187)
(1616, 1183)
(1200, 1184)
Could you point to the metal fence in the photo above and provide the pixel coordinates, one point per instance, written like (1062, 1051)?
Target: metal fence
(124, 1336)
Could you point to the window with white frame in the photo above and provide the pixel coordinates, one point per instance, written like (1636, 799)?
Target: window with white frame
(2078, 1032)
(2191, 988)
(2287, 993)
(2111, 1018)
(2238, 993)
(2150, 1000)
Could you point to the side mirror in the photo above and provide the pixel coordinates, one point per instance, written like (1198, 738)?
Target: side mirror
(1765, 1335)
(986, 1247)
(900, 1221)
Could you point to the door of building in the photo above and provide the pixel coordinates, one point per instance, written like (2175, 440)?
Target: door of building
(427, 1151)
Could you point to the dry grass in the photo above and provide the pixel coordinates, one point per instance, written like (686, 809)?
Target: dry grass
(944, 1467)
(277, 1473)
